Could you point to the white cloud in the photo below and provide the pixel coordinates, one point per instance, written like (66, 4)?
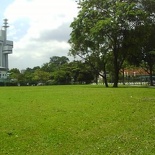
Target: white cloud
(30, 21)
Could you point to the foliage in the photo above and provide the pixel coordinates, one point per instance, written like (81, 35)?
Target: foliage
(61, 77)
(55, 63)
(57, 71)
(110, 28)
(40, 76)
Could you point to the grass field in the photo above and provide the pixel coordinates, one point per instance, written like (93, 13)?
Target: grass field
(77, 120)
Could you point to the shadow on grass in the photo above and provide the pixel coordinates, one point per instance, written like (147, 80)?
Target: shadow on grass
(119, 86)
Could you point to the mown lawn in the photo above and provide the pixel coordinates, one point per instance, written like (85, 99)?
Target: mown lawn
(77, 120)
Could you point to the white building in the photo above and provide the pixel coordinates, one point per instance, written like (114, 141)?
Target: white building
(5, 49)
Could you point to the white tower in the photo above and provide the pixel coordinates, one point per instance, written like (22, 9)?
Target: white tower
(5, 49)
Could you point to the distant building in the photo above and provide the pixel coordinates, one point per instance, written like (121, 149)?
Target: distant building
(5, 49)
(22, 71)
(135, 71)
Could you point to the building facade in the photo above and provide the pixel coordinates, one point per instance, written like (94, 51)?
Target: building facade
(5, 49)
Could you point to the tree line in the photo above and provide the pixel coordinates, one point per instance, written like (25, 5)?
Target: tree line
(61, 71)
(58, 71)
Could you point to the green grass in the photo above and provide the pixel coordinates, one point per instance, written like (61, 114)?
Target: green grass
(77, 120)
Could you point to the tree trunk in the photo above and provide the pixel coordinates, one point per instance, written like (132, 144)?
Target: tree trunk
(151, 74)
(96, 78)
(116, 68)
(105, 81)
(116, 78)
(105, 76)
(123, 77)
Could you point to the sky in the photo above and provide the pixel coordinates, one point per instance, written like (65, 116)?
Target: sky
(39, 30)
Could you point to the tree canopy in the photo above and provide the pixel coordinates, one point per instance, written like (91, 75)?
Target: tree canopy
(110, 28)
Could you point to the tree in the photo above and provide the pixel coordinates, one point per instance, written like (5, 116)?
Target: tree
(148, 50)
(55, 63)
(61, 77)
(28, 76)
(104, 27)
(41, 76)
(148, 55)
(144, 56)
(15, 75)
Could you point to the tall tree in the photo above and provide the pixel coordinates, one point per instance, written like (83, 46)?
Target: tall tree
(55, 63)
(15, 75)
(41, 76)
(148, 54)
(106, 26)
(144, 56)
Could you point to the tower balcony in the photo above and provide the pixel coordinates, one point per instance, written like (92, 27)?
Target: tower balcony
(7, 49)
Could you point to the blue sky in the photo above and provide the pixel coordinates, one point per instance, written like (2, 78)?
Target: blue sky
(39, 29)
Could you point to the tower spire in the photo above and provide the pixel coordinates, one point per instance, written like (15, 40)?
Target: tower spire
(5, 24)
(5, 47)
(5, 27)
